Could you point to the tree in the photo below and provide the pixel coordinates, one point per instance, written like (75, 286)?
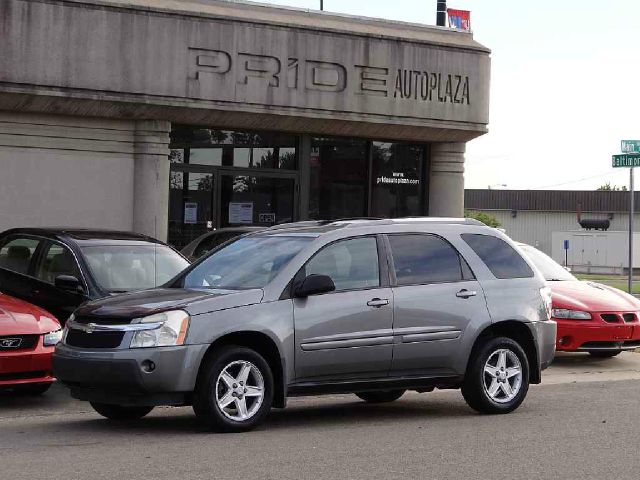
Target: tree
(607, 187)
(486, 218)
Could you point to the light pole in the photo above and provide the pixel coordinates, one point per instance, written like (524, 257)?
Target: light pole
(441, 17)
(321, 4)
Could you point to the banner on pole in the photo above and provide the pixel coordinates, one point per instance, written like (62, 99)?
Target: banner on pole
(460, 19)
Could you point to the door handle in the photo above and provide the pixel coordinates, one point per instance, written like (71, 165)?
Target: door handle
(378, 302)
(464, 293)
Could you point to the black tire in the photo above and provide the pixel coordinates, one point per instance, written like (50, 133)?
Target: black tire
(33, 389)
(205, 404)
(120, 413)
(473, 387)
(384, 396)
(604, 353)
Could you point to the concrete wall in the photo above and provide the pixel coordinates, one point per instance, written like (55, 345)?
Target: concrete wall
(57, 170)
(220, 63)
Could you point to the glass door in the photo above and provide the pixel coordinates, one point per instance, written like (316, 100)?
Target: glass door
(191, 203)
(259, 200)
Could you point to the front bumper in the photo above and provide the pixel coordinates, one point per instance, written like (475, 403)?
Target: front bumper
(144, 376)
(588, 335)
(23, 367)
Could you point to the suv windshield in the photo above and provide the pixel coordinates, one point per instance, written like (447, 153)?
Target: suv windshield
(550, 269)
(249, 262)
(122, 268)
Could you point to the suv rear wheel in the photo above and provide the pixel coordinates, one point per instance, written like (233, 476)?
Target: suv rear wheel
(497, 379)
(381, 397)
(234, 390)
(119, 412)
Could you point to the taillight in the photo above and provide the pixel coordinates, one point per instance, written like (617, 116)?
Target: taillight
(545, 293)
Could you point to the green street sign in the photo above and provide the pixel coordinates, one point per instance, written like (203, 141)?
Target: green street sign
(626, 160)
(630, 146)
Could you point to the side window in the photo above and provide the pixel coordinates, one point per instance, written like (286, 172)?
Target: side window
(57, 260)
(16, 254)
(351, 264)
(503, 261)
(420, 259)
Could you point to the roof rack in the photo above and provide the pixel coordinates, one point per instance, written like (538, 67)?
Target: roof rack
(320, 223)
(360, 221)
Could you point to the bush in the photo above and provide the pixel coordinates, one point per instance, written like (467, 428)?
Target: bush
(483, 217)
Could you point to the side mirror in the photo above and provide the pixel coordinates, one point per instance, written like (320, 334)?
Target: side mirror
(314, 285)
(68, 283)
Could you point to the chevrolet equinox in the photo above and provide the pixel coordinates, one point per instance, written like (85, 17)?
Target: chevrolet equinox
(370, 307)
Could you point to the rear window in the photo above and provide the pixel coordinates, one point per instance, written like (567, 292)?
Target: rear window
(503, 261)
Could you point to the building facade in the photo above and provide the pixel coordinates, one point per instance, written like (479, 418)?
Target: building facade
(172, 118)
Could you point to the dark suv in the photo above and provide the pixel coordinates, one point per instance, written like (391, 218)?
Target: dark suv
(369, 307)
(59, 268)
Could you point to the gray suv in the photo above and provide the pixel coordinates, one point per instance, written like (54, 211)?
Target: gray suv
(370, 307)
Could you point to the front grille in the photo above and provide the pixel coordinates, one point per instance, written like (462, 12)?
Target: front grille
(22, 375)
(78, 338)
(629, 317)
(12, 343)
(610, 317)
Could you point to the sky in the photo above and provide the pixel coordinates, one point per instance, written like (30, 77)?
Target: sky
(565, 86)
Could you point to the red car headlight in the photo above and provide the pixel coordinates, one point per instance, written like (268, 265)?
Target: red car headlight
(566, 314)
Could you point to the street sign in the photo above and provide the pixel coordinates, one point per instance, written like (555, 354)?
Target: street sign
(630, 146)
(626, 160)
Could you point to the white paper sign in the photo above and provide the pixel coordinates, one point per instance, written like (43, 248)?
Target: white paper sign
(190, 212)
(240, 212)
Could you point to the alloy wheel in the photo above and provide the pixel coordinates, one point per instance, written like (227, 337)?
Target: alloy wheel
(240, 390)
(502, 376)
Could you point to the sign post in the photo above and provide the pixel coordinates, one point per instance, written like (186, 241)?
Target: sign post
(630, 159)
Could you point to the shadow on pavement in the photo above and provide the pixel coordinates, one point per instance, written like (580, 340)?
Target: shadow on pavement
(182, 419)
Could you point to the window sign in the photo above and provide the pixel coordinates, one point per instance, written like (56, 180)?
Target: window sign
(267, 218)
(240, 212)
(190, 213)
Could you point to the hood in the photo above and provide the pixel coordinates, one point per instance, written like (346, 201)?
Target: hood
(148, 302)
(21, 318)
(591, 297)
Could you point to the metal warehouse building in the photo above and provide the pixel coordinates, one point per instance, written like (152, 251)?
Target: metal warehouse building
(545, 219)
(174, 117)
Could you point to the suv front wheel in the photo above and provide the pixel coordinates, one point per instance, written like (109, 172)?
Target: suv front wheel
(497, 379)
(234, 390)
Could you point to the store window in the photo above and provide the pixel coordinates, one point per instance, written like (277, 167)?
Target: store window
(224, 148)
(338, 183)
(397, 180)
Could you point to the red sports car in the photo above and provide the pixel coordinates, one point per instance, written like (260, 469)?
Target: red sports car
(591, 317)
(28, 336)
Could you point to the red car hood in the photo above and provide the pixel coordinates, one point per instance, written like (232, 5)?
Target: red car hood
(591, 297)
(22, 318)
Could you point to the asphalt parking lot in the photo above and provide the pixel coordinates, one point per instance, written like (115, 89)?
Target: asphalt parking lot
(581, 423)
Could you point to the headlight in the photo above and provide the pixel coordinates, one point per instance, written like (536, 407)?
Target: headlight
(52, 338)
(171, 331)
(571, 314)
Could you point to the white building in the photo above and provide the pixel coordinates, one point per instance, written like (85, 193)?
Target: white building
(546, 218)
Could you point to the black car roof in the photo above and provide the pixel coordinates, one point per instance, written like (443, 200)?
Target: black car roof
(81, 234)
